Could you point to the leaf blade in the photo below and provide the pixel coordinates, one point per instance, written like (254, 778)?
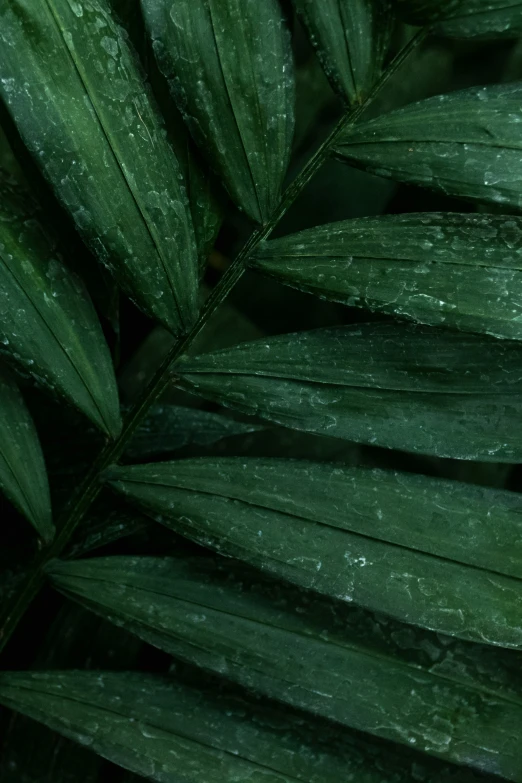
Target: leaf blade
(467, 18)
(48, 326)
(113, 171)
(229, 66)
(22, 469)
(424, 391)
(433, 268)
(311, 655)
(171, 427)
(351, 38)
(169, 731)
(465, 144)
(423, 551)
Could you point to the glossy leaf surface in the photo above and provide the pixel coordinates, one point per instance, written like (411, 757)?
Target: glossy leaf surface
(22, 470)
(80, 103)
(32, 753)
(48, 325)
(465, 18)
(229, 64)
(392, 385)
(461, 271)
(438, 554)
(466, 144)
(351, 38)
(172, 733)
(328, 659)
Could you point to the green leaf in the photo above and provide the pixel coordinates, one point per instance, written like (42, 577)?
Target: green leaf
(460, 271)
(229, 65)
(167, 731)
(32, 753)
(22, 469)
(394, 385)
(467, 144)
(48, 325)
(351, 38)
(465, 18)
(426, 551)
(206, 198)
(80, 103)
(171, 427)
(104, 526)
(206, 206)
(453, 701)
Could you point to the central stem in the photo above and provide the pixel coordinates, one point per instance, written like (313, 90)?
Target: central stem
(91, 486)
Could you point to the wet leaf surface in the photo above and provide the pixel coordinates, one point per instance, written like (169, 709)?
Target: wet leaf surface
(465, 18)
(48, 325)
(443, 269)
(454, 701)
(80, 103)
(230, 67)
(438, 554)
(465, 144)
(399, 386)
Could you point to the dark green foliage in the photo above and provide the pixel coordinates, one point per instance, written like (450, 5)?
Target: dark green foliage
(229, 64)
(351, 38)
(465, 18)
(373, 538)
(461, 271)
(48, 325)
(332, 661)
(398, 386)
(323, 582)
(22, 468)
(465, 144)
(88, 119)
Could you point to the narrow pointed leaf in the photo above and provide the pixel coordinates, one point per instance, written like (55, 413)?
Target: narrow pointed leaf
(351, 38)
(171, 427)
(32, 753)
(465, 144)
(173, 733)
(229, 65)
(392, 385)
(206, 198)
(420, 690)
(22, 470)
(461, 271)
(438, 554)
(48, 325)
(80, 103)
(465, 18)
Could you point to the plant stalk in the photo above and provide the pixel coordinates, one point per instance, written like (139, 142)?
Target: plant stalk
(90, 488)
